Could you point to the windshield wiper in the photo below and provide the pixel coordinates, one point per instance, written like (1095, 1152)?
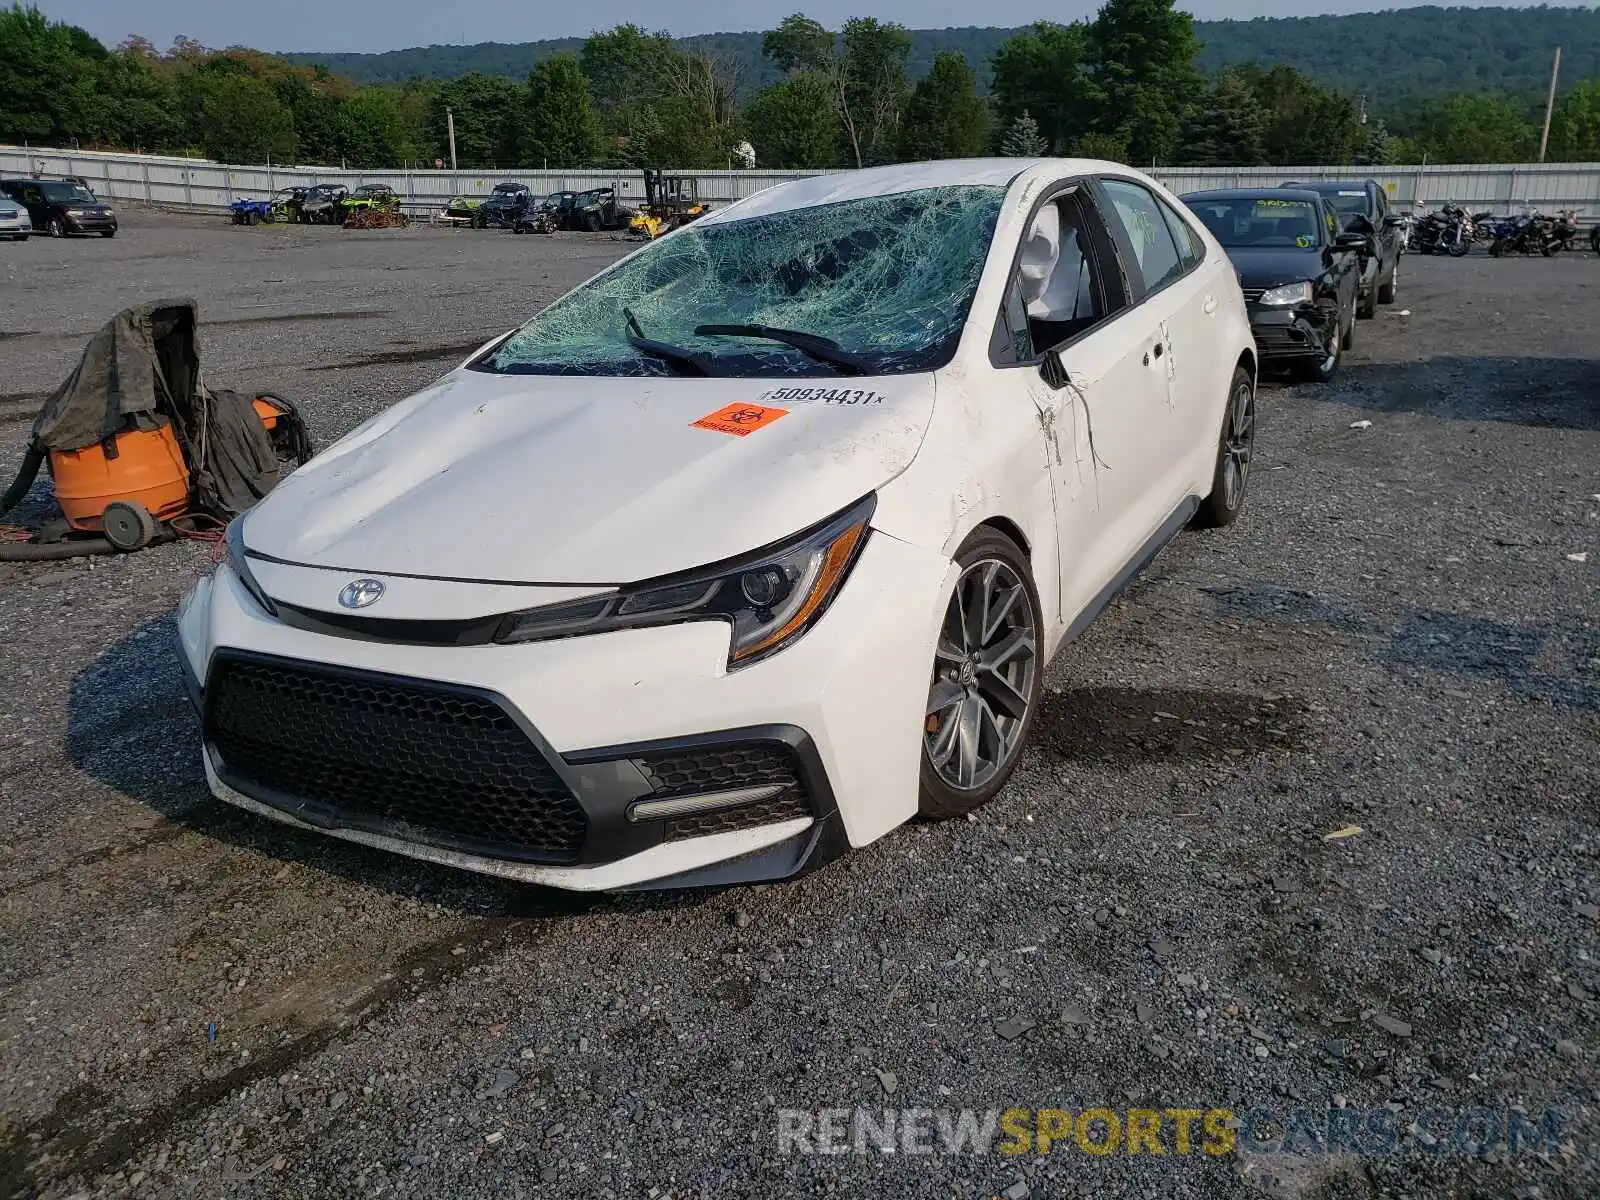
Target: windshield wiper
(812, 345)
(687, 362)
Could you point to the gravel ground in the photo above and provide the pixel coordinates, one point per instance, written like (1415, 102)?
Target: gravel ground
(1396, 637)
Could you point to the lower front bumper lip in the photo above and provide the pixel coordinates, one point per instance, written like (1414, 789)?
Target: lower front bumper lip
(759, 855)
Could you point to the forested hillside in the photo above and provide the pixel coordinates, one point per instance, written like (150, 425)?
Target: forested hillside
(1397, 57)
(1136, 84)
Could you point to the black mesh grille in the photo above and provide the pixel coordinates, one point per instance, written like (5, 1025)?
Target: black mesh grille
(1251, 295)
(449, 767)
(722, 768)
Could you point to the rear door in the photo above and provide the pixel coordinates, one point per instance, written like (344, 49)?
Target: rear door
(1182, 301)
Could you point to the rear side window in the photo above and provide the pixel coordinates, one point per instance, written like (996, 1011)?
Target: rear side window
(1190, 248)
(1138, 211)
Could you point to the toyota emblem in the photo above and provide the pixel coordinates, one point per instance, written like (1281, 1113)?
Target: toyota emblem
(361, 594)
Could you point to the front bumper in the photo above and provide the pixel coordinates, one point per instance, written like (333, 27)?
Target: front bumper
(843, 705)
(1286, 334)
(90, 224)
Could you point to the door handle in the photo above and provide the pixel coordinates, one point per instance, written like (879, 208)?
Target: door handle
(1156, 349)
(1159, 349)
(1210, 306)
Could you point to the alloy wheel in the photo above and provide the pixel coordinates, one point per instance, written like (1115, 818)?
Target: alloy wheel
(983, 676)
(1238, 444)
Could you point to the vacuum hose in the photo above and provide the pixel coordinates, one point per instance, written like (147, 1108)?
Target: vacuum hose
(52, 551)
(24, 480)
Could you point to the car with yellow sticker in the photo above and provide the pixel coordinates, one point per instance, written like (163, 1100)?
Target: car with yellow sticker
(748, 549)
(1301, 275)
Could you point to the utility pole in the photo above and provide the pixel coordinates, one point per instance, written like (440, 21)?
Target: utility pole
(1550, 105)
(450, 122)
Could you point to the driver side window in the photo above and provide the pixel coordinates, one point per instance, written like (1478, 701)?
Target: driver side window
(1059, 289)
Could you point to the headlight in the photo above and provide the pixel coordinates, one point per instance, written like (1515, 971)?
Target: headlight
(1289, 293)
(769, 598)
(241, 565)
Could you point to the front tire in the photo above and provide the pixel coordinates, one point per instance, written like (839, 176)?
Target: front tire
(57, 229)
(987, 676)
(1236, 447)
(1324, 369)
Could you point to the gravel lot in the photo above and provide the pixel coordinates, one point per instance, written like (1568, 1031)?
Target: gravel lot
(1396, 637)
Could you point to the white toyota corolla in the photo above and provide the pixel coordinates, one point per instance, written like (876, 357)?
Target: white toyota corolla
(748, 549)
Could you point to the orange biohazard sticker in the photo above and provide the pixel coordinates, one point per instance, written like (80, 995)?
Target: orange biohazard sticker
(740, 419)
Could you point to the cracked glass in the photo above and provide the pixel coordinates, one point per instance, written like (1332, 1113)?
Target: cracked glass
(890, 279)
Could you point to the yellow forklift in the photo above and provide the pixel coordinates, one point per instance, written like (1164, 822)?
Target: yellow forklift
(669, 201)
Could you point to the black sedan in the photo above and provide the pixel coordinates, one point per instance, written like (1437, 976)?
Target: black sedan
(1362, 206)
(1300, 275)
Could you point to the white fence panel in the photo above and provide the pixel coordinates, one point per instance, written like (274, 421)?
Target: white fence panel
(206, 186)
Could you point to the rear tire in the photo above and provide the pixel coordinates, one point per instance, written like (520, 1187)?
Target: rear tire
(1235, 450)
(1366, 308)
(985, 681)
(1388, 291)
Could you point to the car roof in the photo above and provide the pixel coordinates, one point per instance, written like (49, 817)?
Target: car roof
(837, 187)
(1264, 193)
(1333, 185)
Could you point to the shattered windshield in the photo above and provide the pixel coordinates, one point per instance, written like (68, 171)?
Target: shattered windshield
(888, 278)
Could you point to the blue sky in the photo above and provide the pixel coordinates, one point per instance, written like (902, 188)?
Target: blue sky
(395, 24)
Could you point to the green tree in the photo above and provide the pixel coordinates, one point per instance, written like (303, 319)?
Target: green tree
(1023, 139)
(945, 117)
(559, 128)
(235, 117)
(1306, 124)
(314, 100)
(45, 91)
(1575, 125)
(1376, 146)
(138, 102)
(1475, 129)
(372, 130)
(487, 116)
(794, 123)
(873, 73)
(1106, 146)
(1141, 61)
(1226, 129)
(799, 44)
(1039, 72)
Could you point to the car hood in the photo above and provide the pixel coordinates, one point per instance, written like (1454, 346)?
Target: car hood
(576, 479)
(1269, 267)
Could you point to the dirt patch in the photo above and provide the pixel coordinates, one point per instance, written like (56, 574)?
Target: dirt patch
(1129, 725)
(423, 354)
(297, 318)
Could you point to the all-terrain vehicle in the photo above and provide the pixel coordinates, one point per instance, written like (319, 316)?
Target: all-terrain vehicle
(323, 205)
(597, 209)
(503, 205)
(371, 195)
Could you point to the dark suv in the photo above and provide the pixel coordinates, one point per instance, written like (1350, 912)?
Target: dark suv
(61, 206)
(1362, 206)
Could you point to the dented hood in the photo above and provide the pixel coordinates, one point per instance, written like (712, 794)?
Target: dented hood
(542, 479)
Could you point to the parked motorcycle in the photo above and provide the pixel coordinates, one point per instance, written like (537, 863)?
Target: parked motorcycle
(1562, 233)
(1448, 231)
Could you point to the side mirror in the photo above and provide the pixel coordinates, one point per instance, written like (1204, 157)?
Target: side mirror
(1390, 221)
(1053, 371)
(1347, 242)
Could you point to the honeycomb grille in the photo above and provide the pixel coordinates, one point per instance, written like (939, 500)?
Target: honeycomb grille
(723, 768)
(449, 767)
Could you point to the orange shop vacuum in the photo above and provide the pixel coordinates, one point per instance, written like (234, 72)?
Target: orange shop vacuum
(139, 450)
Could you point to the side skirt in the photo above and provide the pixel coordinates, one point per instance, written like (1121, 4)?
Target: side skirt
(1170, 528)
